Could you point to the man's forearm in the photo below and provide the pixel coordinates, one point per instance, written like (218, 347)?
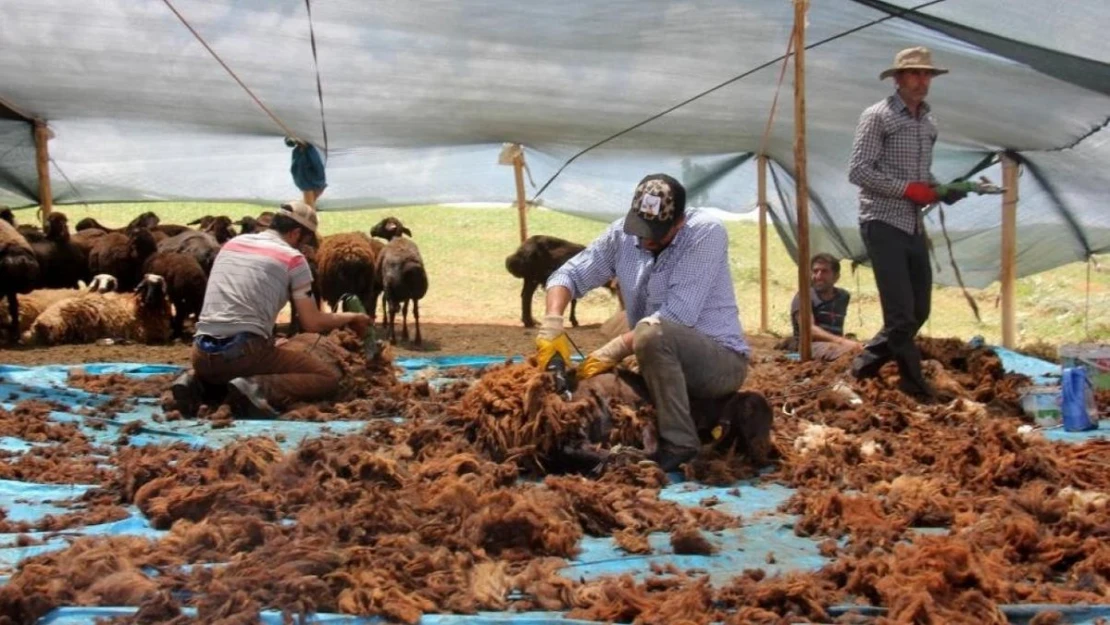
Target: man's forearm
(557, 299)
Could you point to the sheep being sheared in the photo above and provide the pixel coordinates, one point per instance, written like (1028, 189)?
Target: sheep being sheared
(534, 262)
(403, 278)
(142, 316)
(739, 421)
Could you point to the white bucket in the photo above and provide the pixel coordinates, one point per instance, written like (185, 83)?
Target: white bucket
(1042, 404)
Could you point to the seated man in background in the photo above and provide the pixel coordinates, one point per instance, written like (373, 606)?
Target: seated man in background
(251, 281)
(830, 309)
(673, 269)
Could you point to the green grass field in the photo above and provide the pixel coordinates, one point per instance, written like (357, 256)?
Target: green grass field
(464, 250)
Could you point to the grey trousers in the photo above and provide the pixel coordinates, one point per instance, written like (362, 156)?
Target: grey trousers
(677, 363)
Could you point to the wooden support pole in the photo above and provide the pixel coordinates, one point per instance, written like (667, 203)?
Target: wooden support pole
(1009, 249)
(761, 180)
(805, 313)
(521, 202)
(42, 163)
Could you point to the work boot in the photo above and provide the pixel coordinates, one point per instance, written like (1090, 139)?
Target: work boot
(670, 459)
(247, 401)
(921, 392)
(867, 365)
(187, 394)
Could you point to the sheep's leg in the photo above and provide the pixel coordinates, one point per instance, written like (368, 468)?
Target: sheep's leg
(573, 317)
(405, 320)
(178, 322)
(392, 314)
(526, 294)
(13, 315)
(416, 320)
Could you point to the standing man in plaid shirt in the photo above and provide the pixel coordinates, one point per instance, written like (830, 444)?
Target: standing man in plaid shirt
(892, 156)
(673, 269)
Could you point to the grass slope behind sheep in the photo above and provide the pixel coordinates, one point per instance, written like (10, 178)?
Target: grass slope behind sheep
(142, 316)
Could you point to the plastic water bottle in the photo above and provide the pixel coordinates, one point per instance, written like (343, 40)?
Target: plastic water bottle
(1076, 399)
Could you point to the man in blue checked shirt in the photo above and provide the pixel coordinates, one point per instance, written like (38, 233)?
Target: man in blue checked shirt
(673, 269)
(892, 158)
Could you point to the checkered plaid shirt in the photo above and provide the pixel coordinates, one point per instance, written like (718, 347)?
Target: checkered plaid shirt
(689, 283)
(891, 150)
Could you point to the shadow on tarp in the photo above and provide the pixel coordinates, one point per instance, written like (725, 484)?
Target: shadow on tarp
(765, 541)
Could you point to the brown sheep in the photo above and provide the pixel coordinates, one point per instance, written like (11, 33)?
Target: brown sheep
(400, 270)
(534, 262)
(31, 306)
(185, 285)
(142, 316)
(62, 263)
(200, 245)
(123, 255)
(347, 264)
(146, 220)
(19, 271)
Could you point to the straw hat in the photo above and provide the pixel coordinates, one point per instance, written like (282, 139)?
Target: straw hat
(913, 58)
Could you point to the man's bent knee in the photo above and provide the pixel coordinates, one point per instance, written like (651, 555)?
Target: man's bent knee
(648, 339)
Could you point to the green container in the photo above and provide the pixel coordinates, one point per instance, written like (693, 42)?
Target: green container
(1094, 357)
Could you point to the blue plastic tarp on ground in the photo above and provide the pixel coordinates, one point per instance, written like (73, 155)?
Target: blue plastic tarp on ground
(765, 540)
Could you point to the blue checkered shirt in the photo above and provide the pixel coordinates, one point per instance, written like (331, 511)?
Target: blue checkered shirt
(891, 150)
(689, 283)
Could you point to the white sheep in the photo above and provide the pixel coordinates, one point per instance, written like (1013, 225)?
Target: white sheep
(143, 316)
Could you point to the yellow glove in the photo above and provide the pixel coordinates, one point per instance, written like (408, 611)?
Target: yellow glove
(605, 358)
(594, 366)
(552, 341)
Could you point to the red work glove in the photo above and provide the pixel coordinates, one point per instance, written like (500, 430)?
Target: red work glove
(920, 193)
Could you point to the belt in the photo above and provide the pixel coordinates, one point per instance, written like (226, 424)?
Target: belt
(221, 345)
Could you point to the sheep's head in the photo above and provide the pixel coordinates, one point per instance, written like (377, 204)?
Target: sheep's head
(251, 225)
(88, 223)
(104, 283)
(220, 228)
(140, 243)
(146, 220)
(151, 291)
(389, 228)
(57, 226)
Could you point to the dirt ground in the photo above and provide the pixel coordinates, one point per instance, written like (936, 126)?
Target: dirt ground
(439, 339)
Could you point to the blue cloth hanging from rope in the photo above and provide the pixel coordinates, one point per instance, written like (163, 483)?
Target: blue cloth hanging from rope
(308, 166)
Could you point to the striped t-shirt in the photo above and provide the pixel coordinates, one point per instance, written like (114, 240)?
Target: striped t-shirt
(250, 283)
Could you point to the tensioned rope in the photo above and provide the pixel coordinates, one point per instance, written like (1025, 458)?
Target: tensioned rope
(288, 132)
(724, 84)
(316, 64)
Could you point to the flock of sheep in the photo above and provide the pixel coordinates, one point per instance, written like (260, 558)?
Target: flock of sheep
(143, 281)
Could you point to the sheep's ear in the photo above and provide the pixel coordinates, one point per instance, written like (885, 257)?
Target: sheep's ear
(406, 231)
(195, 222)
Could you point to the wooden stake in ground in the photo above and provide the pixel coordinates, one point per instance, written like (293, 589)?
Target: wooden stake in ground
(805, 311)
(1009, 247)
(521, 204)
(762, 186)
(42, 163)
(513, 154)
